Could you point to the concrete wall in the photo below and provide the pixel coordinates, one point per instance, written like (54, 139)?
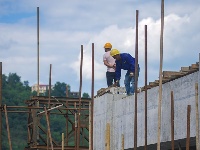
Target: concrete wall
(118, 110)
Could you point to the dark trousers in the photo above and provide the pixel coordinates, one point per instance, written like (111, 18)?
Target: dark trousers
(110, 76)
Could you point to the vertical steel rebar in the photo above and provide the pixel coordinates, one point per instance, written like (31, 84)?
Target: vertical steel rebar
(172, 119)
(90, 125)
(92, 96)
(38, 73)
(49, 86)
(136, 81)
(0, 105)
(38, 50)
(145, 147)
(67, 120)
(188, 128)
(8, 128)
(160, 75)
(80, 89)
(197, 116)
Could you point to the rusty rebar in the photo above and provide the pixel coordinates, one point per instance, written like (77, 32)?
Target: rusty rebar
(80, 89)
(172, 119)
(0, 105)
(92, 97)
(136, 81)
(188, 127)
(145, 147)
(38, 50)
(49, 86)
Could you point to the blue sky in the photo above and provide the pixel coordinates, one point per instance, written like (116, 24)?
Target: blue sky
(65, 25)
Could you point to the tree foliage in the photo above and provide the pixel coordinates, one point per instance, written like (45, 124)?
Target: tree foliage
(14, 93)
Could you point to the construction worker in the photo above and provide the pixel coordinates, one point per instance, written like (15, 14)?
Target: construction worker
(109, 61)
(126, 62)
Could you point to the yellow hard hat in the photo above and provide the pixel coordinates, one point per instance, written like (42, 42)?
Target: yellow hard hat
(114, 52)
(107, 45)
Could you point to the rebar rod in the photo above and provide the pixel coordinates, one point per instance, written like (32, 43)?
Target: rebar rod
(172, 119)
(0, 105)
(197, 116)
(49, 86)
(92, 97)
(188, 128)
(80, 89)
(136, 81)
(145, 147)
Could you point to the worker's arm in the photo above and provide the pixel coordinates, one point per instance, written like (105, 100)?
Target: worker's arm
(118, 72)
(108, 65)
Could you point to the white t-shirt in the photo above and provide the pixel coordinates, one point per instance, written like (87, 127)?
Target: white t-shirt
(110, 60)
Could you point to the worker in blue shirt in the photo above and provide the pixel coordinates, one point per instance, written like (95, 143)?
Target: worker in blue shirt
(126, 62)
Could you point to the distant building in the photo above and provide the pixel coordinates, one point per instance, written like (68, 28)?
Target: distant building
(74, 94)
(42, 88)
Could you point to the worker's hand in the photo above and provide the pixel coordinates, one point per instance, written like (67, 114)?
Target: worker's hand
(131, 74)
(116, 83)
(114, 66)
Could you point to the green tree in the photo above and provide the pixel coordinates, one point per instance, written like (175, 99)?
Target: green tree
(85, 95)
(14, 92)
(59, 89)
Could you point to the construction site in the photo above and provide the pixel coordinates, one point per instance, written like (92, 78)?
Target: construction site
(162, 115)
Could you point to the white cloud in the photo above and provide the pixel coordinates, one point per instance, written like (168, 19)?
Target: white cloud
(66, 25)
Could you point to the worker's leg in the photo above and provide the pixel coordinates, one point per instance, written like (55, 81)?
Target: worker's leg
(127, 83)
(109, 77)
(132, 88)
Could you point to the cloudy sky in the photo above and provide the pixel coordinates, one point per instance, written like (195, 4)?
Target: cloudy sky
(65, 25)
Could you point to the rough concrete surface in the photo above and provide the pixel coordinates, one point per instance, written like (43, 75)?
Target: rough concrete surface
(118, 110)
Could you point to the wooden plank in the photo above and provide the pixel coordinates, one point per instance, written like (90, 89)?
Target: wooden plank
(170, 73)
(194, 66)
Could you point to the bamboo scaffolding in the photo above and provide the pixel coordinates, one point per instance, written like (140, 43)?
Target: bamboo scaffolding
(8, 128)
(48, 127)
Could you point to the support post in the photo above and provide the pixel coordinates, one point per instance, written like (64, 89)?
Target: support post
(48, 127)
(160, 76)
(63, 141)
(8, 128)
(188, 128)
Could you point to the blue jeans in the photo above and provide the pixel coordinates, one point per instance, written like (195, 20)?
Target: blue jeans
(130, 89)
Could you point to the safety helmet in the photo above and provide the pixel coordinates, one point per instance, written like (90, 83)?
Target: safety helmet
(114, 52)
(107, 45)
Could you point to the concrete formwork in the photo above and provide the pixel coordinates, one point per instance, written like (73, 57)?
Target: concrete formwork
(118, 110)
